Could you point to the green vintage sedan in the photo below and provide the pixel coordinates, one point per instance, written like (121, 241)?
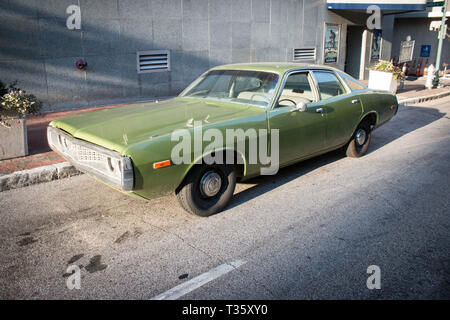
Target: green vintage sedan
(233, 123)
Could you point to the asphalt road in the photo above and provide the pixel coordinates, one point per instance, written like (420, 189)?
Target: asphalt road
(309, 232)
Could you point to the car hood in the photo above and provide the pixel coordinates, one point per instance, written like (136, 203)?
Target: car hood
(121, 127)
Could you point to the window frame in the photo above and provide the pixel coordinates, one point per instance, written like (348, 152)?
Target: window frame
(311, 81)
(343, 85)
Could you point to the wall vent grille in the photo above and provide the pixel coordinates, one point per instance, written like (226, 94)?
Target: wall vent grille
(153, 61)
(304, 54)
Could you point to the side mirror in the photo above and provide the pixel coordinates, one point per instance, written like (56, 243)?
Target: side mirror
(300, 107)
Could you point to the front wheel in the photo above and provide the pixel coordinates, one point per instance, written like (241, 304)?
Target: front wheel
(359, 143)
(207, 189)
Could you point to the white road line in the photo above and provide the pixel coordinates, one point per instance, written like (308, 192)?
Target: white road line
(197, 282)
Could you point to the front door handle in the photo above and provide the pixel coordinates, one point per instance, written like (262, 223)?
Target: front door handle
(319, 110)
(355, 101)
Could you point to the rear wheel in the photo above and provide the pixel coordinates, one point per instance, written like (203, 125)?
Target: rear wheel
(207, 189)
(360, 141)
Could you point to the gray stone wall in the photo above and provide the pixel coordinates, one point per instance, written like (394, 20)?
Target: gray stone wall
(38, 50)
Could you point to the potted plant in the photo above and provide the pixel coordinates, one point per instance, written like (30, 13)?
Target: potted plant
(15, 104)
(384, 75)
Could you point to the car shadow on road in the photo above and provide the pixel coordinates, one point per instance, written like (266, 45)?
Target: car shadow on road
(406, 121)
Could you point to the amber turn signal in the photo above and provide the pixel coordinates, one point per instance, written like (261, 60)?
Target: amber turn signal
(161, 164)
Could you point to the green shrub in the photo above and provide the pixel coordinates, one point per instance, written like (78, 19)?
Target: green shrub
(15, 102)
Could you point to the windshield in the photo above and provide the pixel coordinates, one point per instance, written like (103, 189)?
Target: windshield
(248, 87)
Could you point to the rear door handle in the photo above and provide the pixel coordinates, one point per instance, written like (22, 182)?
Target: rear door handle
(355, 101)
(319, 110)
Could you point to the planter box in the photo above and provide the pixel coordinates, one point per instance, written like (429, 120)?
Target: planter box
(379, 80)
(13, 140)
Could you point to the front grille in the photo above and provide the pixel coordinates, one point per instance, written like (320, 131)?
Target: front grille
(108, 165)
(76, 151)
(84, 154)
(81, 153)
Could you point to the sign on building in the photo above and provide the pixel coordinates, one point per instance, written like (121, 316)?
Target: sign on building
(406, 51)
(331, 45)
(376, 45)
(435, 4)
(425, 50)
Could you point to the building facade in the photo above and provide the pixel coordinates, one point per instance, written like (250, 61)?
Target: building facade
(423, 28)
(140, 49)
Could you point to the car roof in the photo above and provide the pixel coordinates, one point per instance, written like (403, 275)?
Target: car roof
(278, 67)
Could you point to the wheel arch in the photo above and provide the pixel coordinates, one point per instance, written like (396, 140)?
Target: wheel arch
(241, 166)
(372, 117)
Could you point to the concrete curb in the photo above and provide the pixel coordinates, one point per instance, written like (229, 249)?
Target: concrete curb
(62, 170)
(28, 177)
(409, 101)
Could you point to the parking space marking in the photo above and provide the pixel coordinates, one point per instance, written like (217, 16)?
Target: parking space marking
(197, 282)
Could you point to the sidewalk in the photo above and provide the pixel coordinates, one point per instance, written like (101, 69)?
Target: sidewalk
(23, 171)
(414, 89)
(40, 153)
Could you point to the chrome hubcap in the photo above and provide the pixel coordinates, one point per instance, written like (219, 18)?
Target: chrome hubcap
(210, 184)
(360, 136)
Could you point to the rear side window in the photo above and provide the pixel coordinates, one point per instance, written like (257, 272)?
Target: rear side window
(351, 82)
(328, 84)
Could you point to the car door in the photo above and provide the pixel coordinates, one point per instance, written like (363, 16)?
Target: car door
(301, 133)
(341, 107)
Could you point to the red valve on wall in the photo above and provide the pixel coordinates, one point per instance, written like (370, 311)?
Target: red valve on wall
(81, 64)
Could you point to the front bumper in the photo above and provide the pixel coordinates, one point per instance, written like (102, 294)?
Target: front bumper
(109, 166)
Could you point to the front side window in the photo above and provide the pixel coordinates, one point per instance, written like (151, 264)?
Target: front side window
(240, 86)
(297, 88)
(329, 85)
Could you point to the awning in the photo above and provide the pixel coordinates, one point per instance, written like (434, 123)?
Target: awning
(391, 5)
